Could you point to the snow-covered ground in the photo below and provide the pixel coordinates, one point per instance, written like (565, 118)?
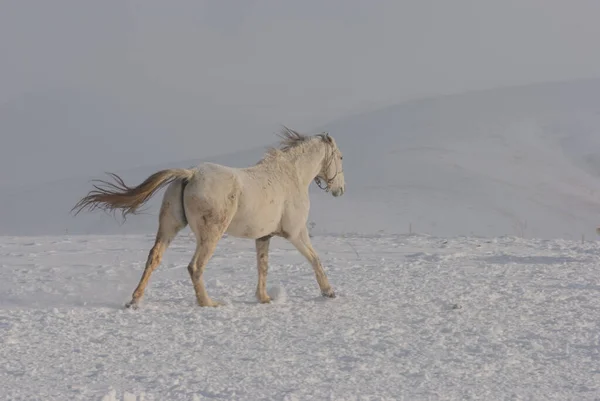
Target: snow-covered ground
(416, 318)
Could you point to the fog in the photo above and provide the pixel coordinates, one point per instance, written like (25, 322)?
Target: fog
(88, 87)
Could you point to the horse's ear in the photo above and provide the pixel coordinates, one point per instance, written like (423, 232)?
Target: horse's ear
(326, 137)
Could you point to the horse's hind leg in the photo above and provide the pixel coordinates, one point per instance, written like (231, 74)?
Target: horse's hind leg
(204, 251)
(171, 221)
(208, 225)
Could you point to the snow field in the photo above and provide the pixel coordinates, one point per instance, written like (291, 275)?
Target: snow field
(415, 318)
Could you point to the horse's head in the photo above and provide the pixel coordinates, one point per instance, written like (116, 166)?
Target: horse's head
(332, 171)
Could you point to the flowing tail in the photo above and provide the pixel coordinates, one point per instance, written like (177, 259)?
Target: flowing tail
(119, 196)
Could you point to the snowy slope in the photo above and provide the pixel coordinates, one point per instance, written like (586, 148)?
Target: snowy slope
(416, 318)
(517, 161)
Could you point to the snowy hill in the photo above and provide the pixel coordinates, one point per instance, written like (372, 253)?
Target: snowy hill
(522, 161)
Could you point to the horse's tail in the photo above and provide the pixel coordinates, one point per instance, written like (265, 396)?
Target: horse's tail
(119, 196)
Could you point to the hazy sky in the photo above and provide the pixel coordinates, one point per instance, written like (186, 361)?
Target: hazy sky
(93, 86)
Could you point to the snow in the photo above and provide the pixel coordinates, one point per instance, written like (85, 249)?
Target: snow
(416, 317)
(464, 257)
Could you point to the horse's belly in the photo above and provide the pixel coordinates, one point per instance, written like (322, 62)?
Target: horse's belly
(248, 224)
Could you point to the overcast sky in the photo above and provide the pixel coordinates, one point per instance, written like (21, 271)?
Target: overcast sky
(87, 87)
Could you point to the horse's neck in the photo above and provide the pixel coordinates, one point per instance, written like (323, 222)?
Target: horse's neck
(307, 159)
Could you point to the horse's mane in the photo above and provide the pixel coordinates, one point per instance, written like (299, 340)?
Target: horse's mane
(290, 139)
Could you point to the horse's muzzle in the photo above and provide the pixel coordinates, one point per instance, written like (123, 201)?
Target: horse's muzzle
(338, 192)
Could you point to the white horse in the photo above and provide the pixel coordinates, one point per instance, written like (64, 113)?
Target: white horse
(258, 202)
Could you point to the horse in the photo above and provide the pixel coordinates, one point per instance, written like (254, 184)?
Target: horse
(258, 202)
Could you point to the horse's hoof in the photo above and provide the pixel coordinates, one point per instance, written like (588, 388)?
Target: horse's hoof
(132, 305)
(328, 294)
(211, 304)
(263, 300)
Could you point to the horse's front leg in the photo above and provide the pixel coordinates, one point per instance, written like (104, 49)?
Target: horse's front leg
(262, 262)
(302, 242)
